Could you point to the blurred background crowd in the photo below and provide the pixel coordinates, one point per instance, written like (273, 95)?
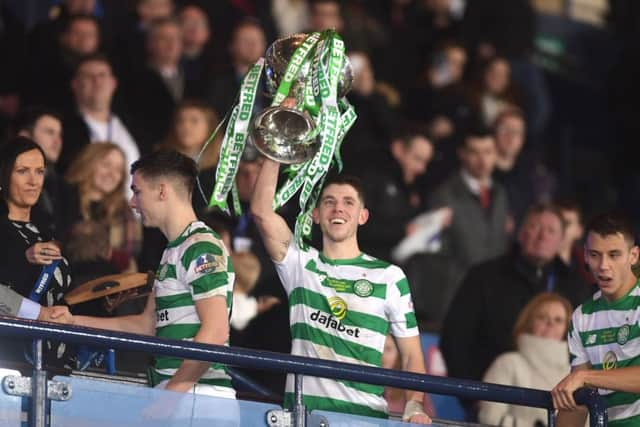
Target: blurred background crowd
(487, 131)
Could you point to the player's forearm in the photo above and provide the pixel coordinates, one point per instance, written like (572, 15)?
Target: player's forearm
(413, 363)
(187, 375)
(190, 371)
(137, 324)
(265, 190)
(621, 379)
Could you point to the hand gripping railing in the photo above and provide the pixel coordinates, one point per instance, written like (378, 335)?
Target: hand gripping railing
(265, 360)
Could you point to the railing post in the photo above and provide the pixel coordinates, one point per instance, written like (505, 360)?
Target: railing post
(299, 411)
(596, 404)
(38, 413)
(551, 418)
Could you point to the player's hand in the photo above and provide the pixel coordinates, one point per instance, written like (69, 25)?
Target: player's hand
(562, 394)
(420, 419)
(289, 103)
(57, 313)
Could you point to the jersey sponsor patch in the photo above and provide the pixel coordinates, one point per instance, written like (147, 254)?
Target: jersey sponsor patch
(206, 263)
(338, 307)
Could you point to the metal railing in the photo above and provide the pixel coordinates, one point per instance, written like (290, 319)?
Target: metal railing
(300, 366)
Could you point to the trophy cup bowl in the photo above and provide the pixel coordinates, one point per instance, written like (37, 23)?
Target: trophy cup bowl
(284, 134)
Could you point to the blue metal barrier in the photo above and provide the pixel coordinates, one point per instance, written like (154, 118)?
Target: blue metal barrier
(265, 360)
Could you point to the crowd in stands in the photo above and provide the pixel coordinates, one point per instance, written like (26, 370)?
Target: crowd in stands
(452, 142)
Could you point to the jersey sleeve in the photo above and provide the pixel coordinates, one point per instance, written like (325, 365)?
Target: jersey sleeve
(399, 307)
(577, 353)
(208, 270)
(290, 268)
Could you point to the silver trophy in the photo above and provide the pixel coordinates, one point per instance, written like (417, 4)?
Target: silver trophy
(287, 135)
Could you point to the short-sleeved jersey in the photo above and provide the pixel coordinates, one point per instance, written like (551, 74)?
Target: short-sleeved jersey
(194, 266)
(607, 336)
(342, 310)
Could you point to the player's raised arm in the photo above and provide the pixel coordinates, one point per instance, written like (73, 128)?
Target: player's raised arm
(275, 232)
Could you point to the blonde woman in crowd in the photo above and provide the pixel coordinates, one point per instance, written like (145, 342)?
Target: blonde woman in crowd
(540, 361)
(99, 174)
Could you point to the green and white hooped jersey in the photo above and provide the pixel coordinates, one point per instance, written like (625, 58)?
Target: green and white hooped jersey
(194, 266)
(607, 335)
(342, 310)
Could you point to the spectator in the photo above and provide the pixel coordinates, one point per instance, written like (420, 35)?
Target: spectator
(161, 85)
(481, 317)
(325, 14)
(130, 40)
(197, 53)
(394, 197)
(492, 91)
(375, 103)
(540, 361)
(27, 253)
(479, 229)
(247, 45)
(99, 175)
(80, 37)
(571, 250)
(55, 208)
(193, 123)
(290, 16)
(526, 180)
(93, 118)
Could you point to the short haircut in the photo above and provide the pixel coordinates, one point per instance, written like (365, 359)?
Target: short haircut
(408, 131)
(168, 163)
(524, 322)
(88, 241)
(79, 17)
(158, 23)
(540, 208)
(93, 57)
(509, 112)
(569, 205)
(8, 155)
(477, 130)
(28, 118)
(344, 179)
(612, 223)
(246, 22)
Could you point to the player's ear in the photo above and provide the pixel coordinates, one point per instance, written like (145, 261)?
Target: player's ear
(364, 216)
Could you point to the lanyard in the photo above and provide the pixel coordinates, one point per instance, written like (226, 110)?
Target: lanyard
(43, 281)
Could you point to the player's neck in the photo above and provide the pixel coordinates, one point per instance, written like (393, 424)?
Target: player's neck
(175, 223)
(346, 249)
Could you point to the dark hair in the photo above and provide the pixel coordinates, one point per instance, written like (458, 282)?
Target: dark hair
(569, 205)
(408, 131)
(540, 208)
(344, 179)
(68, 23)
(27, 119)
(168, 163)
(512, 111)
(612, 223)
(246, 22)
(476, 130)
(8, 155)
(93, 57)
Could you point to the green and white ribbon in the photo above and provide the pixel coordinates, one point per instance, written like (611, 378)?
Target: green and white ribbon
(235, 138)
